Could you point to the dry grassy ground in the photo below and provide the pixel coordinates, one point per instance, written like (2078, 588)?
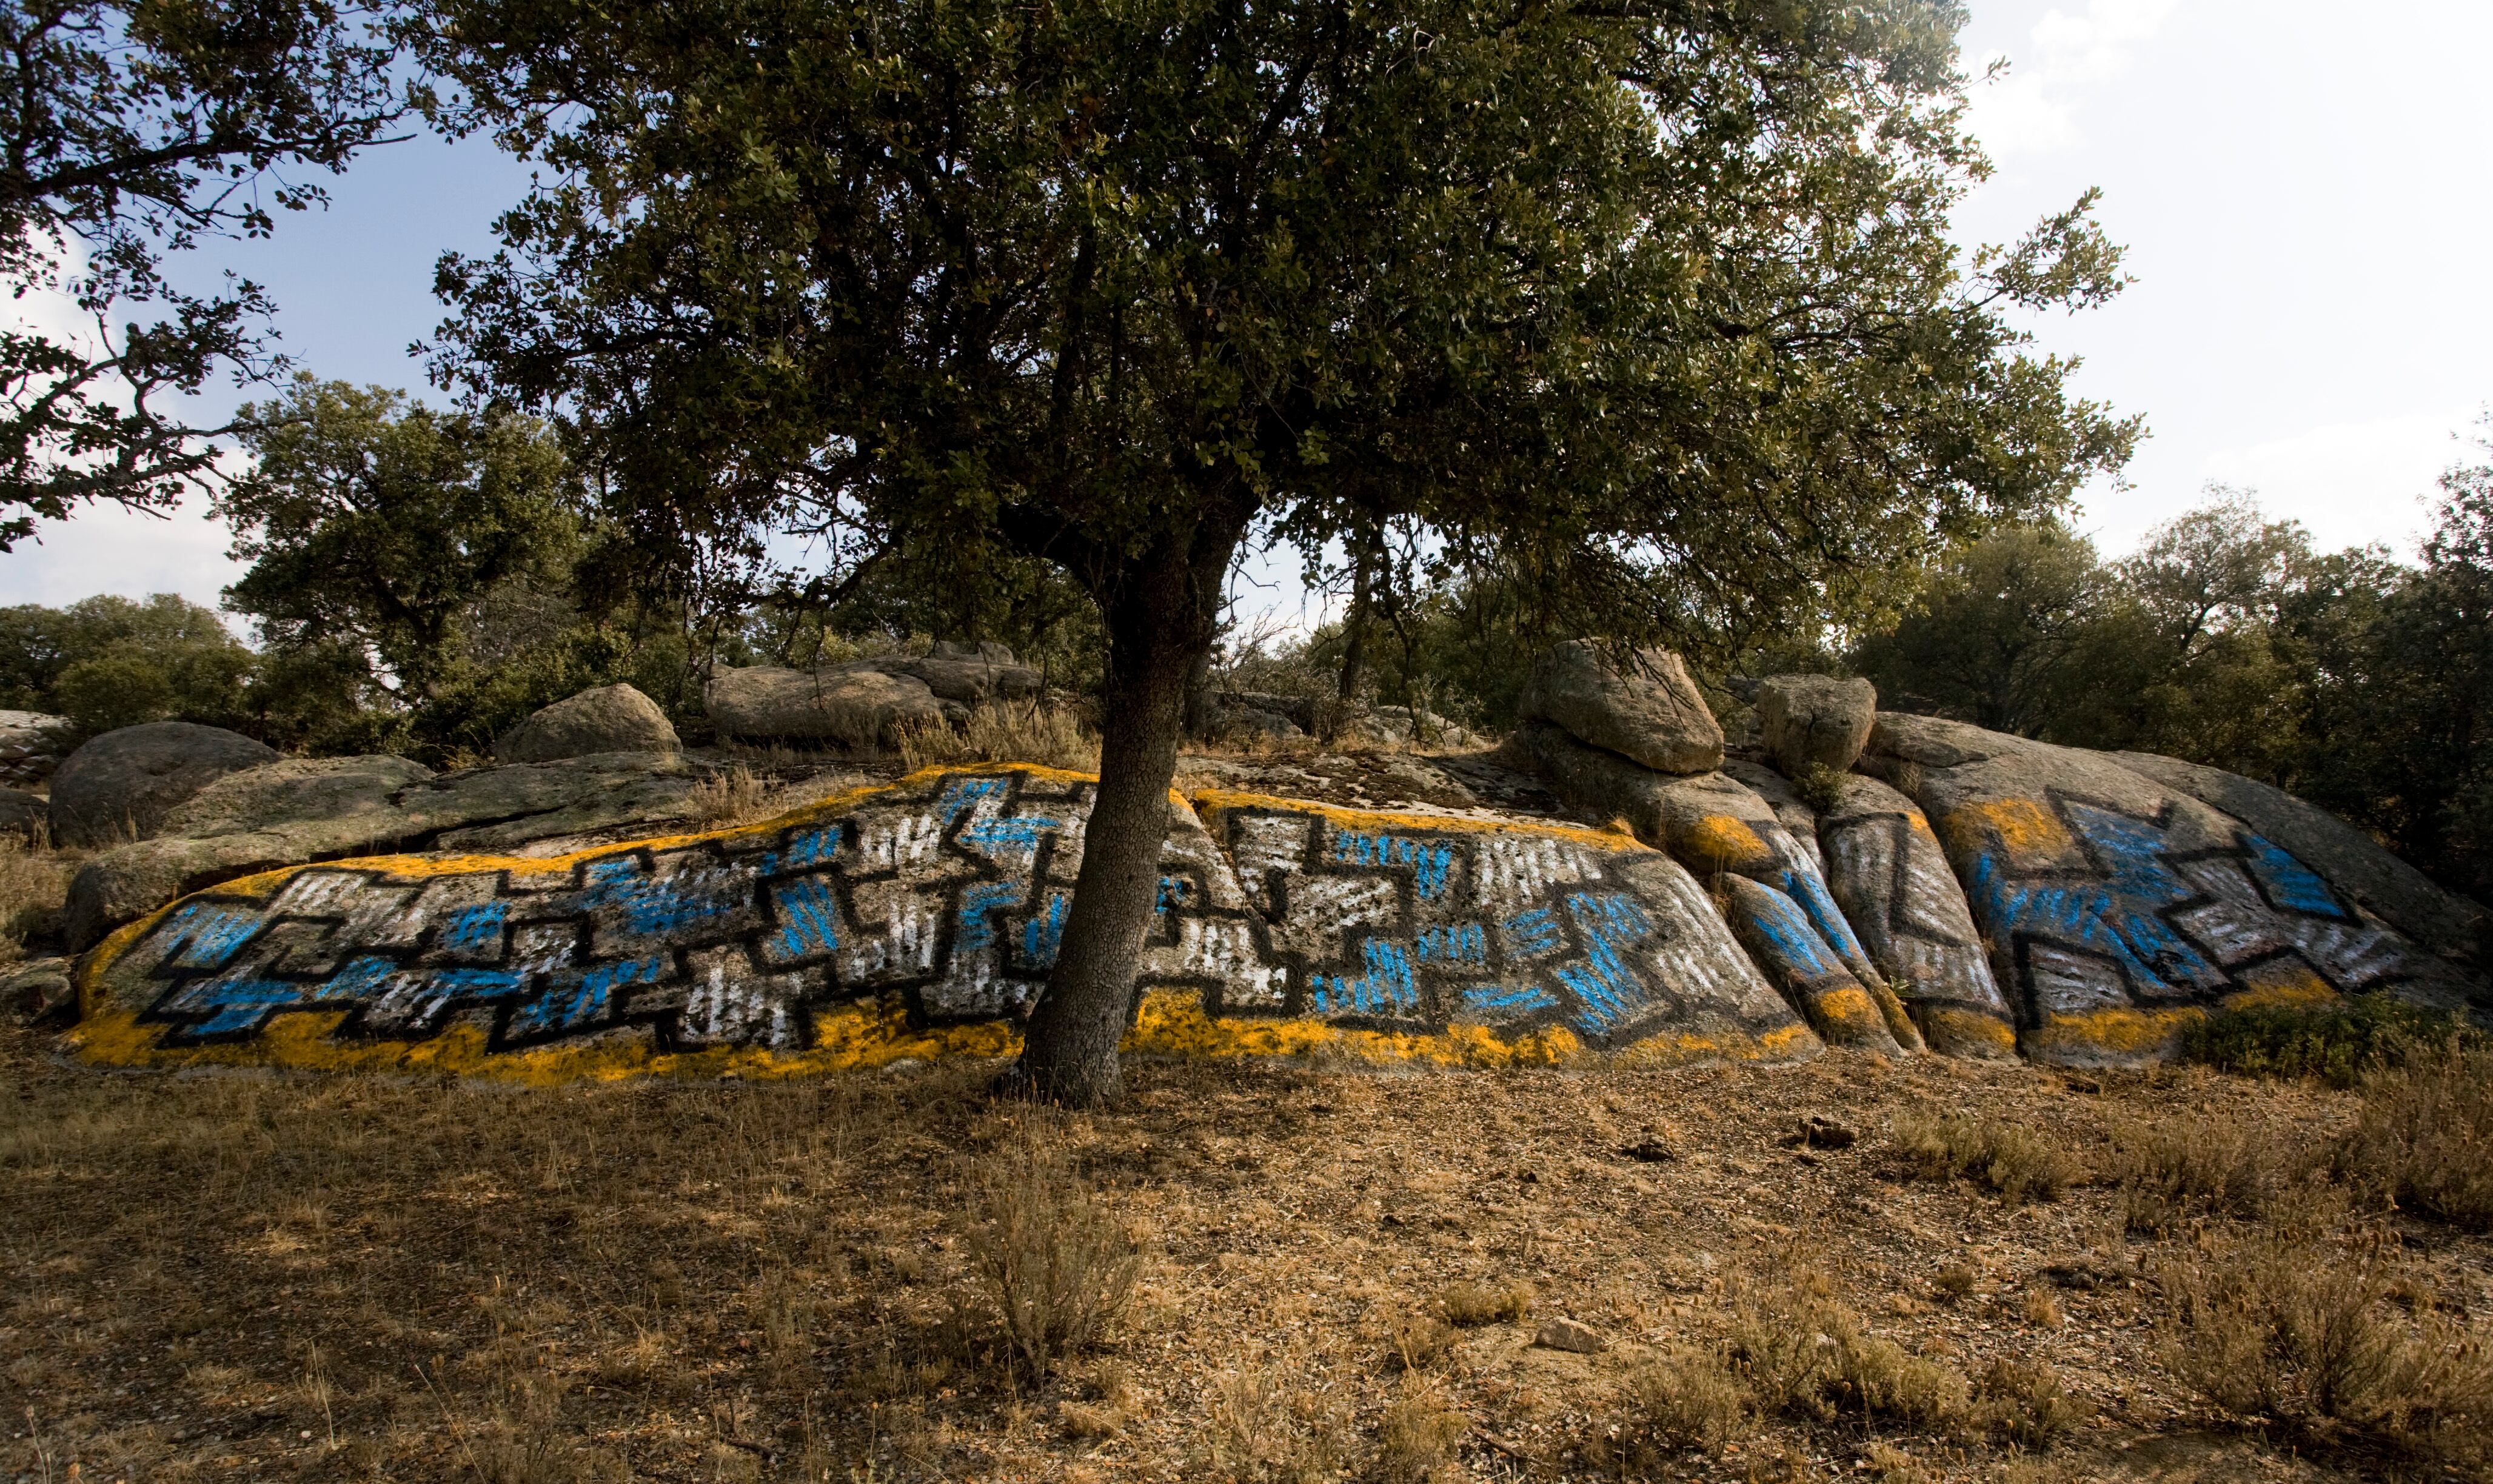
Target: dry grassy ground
(321, 1279)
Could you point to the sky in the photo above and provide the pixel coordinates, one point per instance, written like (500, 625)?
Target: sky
(2299, 185)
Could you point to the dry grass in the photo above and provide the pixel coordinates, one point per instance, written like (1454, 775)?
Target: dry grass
(1060, 1267)
(1687, 1398)
(782, 1281)
(34, 882)
(1804, 1351)
(1004, 732)
(2425, 1136)
(2294, 1325)
(1468, 1305)
(738, 796)
(1416, 1437)
(2008, 1159)
(2181, 1169)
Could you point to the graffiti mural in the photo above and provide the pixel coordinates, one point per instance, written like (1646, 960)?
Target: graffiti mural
(1891, 879)
(924, 917)
(2107, 921)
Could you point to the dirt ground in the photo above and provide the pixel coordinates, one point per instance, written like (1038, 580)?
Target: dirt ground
(266, 1278)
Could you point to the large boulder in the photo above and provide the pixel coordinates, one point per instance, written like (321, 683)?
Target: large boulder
(1645, 708)
(24, 814)
(31, 744)
(610, 719)
(120, 785)
(322, 809)
(2351, 861)
(1715, 826)
(1815, 720)
(2117, 910)
(849, 707)
(967, 679)
(1888, 874)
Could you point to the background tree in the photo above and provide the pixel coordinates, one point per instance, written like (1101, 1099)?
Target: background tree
(128, 128)
(1656, 305)
(109, 662)
(1991, 640)
(373, 525)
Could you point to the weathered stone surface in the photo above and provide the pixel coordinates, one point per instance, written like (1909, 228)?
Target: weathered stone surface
(965, 680)
(1574, 1336)
(1791, 810)
(849, 707)
(31, 744)
(1649, 712)
(1888, 874)
(1251, 725)
(38, 990)
(1805, 720)
(609, 718)
(119, 786)
(2349, 860)
(305, 809)
(1713, 825)
(1788, 947)
(24, 814)
(2117, 910)
(923, 920)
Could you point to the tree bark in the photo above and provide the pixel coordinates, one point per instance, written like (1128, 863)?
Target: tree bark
(1162, 616)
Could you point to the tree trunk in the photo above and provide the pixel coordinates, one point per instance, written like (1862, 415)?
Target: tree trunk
(1355, 627)
(1162, 616)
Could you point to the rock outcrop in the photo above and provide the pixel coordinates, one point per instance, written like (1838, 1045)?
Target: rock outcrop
(2116, 909)
(31, 744)
(2348, 859)
(120, 785)
(609, 718)
(26, 815)
(923, 918)
(1814, 721)
(853, 708)
(1642, 706)
(305, 809)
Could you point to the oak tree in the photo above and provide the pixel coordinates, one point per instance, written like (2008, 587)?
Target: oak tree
(1653, 300)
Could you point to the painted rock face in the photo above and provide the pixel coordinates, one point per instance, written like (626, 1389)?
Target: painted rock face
(2115, 911)
(921, 919)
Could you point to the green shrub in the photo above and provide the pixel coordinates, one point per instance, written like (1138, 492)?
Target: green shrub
(2332, 1042)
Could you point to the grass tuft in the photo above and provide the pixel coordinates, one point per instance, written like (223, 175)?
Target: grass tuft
(2294, 1324)
(2173, 1171)
(34, 882)
(737, 796)
(1417, 1436)
(1805, 1352)
(2025, 1402)
(2007, 1159)
(2425, 1136)
(1469, 1305)
(1004, 732)
(1689, 1398)
(1057, 1264)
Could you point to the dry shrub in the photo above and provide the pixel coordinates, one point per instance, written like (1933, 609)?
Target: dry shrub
(2425, 1136)
(1819, 786)
(1109, 1404)
(2008, 1159)
(2024, 1401)
(1954, 1281)
(1688, 1398)
(2040, 1307)
(1059, 1265)
(2171, 1172)
(1420, 1341)
(735, 796)
(1418, 1434)
(2294, 1324)
(34, 882)
(1267, 1428)
(1804, 1352)
(1468, 1305)
(1004, 732)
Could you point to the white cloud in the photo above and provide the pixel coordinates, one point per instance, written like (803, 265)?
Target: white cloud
(2353, 483)
(2030, 110)
(105, 549)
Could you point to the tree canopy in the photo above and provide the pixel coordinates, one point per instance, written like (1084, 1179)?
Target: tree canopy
(128, 128)
(1653, 303)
